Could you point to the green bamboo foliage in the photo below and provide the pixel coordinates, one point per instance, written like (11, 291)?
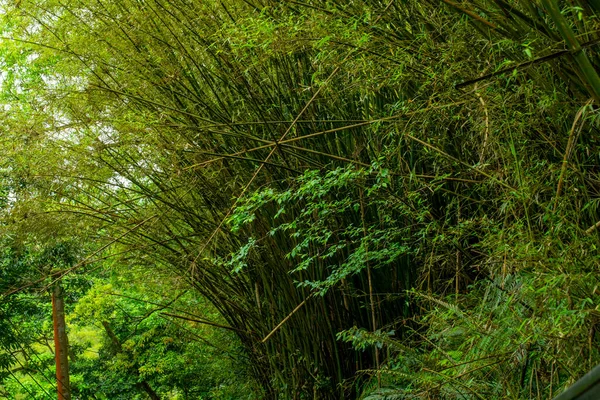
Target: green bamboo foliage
(173, 71)
(261, 151)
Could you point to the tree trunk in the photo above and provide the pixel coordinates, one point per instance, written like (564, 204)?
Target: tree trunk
(61, 344)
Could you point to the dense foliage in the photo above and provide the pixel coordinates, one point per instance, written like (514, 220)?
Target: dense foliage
(366, 199)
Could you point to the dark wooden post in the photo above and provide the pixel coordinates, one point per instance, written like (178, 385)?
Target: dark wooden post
(586, 388)
(61, 344)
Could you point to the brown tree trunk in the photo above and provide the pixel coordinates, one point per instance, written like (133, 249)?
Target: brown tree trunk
(61, 344)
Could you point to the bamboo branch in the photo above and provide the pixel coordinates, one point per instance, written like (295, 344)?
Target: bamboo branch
(279, 325)
(524, 65)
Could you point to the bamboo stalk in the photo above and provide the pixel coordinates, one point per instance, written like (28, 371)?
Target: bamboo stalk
(592, 80)
(568, 150)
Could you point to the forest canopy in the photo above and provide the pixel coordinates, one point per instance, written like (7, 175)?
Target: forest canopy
(257, 199)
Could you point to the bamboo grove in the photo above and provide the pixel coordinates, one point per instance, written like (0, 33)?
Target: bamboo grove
(381, 199)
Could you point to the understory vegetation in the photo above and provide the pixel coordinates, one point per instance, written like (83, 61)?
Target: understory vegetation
(301, 199)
